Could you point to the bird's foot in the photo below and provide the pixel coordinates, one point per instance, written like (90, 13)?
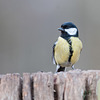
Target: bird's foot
(73, 67)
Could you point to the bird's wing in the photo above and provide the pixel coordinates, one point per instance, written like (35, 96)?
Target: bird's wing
(54, 53)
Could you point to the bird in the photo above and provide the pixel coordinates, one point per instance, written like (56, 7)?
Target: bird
(67, 48)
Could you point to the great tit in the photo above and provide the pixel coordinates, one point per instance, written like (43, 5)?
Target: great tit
(66, 51)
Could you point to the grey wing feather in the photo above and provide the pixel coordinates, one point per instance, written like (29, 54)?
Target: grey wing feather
(54, 53)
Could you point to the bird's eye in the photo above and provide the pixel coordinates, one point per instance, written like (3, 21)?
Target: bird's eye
(64, 26)
(71, 31)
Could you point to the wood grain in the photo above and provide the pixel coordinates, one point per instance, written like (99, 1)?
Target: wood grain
(43, 86)
(27, 93)
(71, 85)
(10, 87)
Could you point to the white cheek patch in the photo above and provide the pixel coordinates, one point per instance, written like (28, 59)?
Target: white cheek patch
(71, 31)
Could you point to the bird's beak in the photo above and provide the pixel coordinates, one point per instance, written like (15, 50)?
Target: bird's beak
(61, 29)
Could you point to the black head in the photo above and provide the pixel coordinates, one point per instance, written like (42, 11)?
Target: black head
(68, 29)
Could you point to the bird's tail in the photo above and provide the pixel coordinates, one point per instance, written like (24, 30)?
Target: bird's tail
(59, 69)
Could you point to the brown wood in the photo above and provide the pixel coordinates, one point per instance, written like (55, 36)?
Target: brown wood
(77, 85)
(93, 85)
(74, 86)
(43, 86)
(26, 92)
(71, 85)
(59, 85)
(10, 87)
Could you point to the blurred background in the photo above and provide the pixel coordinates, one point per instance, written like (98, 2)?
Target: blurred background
(28, 30)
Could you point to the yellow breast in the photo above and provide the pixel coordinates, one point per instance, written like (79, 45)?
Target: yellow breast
(77, 47)
(61, 51)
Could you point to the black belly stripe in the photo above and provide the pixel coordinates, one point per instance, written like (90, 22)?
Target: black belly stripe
(71, 50)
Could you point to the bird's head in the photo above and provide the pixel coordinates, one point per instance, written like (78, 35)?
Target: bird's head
(68, 29)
